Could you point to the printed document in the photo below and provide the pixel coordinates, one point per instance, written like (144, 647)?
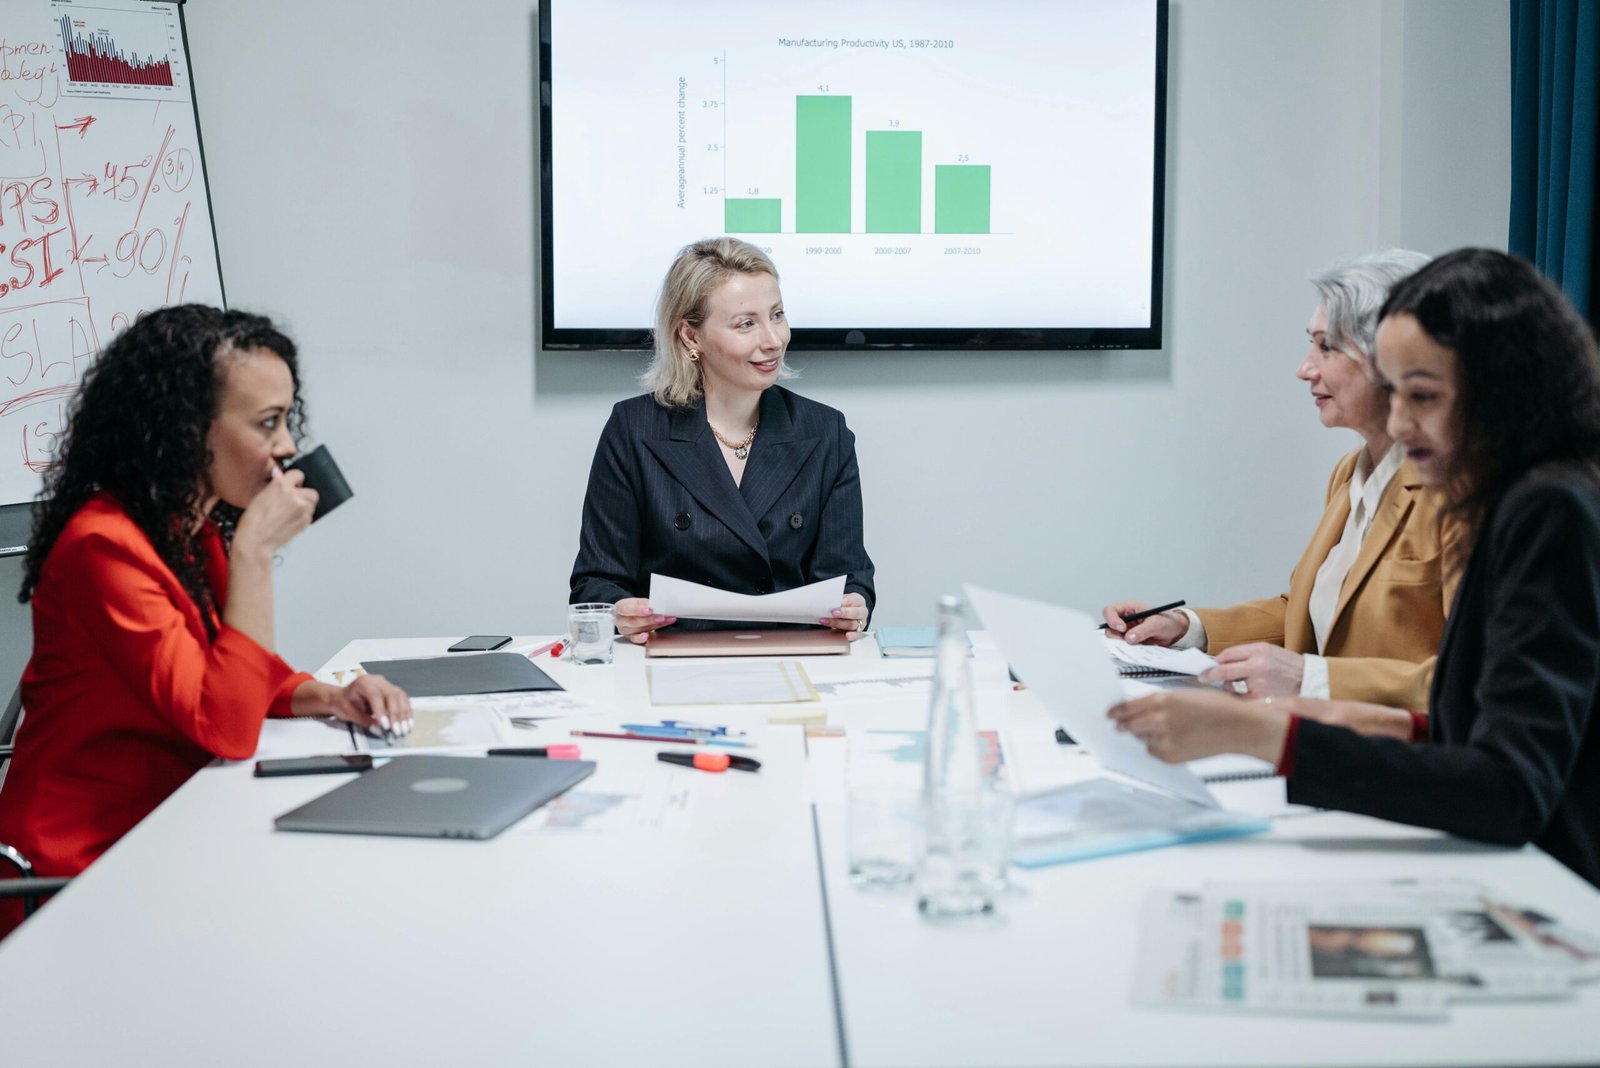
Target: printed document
(690, 600)
(1402, 947)
(751, 682)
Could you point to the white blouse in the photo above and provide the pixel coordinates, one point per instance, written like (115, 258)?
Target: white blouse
(1367, 486)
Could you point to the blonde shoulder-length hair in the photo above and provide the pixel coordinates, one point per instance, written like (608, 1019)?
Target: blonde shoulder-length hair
(671, 376)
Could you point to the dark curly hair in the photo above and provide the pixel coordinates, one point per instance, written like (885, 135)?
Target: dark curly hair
(138, 430)
(1527, 367)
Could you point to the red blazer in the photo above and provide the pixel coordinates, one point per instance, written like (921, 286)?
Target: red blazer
(125, 696)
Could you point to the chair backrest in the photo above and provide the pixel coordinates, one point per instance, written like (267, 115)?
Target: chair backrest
(10, 717)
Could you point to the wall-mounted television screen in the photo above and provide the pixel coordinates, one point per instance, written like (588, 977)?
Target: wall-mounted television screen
(934, 175)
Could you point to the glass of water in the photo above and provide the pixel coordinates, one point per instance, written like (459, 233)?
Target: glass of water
(590, 629)
(966, 852)
(883, 784)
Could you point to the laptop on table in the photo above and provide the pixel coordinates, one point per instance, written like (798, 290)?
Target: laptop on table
(816, 642)
(431, 796)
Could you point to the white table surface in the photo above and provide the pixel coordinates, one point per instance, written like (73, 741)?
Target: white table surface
(205, 937)
(1049, 980)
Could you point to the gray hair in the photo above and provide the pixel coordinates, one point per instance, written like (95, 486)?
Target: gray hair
(1354, 292)
(695, 274)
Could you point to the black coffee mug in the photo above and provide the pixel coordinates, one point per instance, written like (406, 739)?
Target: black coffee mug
(323, 475)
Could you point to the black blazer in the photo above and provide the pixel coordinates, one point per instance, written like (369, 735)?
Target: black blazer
(661, 499)
(1514, 750)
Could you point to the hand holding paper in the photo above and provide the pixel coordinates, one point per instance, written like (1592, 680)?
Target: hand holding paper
(690, 600)
(1063, 660)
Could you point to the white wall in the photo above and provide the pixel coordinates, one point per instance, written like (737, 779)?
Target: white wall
(374, 188)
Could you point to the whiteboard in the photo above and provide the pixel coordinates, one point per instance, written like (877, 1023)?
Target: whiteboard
(104, 213)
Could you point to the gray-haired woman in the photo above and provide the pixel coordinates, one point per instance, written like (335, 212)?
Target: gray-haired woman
(1366, 604)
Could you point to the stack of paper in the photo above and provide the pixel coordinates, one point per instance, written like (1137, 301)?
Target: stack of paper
(1395, 948)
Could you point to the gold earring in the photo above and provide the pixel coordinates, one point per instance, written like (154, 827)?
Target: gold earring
(694, 355)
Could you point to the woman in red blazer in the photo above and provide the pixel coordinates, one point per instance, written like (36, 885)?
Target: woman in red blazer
(152, 638)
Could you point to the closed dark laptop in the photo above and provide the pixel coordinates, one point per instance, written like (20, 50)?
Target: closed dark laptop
(439, 796)
(817, 642)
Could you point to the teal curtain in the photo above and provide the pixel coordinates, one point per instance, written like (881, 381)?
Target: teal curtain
(1555, 96)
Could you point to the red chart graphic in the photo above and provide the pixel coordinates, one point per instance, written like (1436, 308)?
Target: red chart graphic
(95, 57)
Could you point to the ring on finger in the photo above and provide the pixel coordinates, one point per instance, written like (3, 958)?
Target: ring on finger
(1240, 686)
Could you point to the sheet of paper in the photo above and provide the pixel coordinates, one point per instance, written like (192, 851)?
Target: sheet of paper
(658, 798)
(690, 600)
(525, 705)
(873, 689)
(749, 682)
(1062, 660)
(300, 737)
(1186, 661)
(450, 726)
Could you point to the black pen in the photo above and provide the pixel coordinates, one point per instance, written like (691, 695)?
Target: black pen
(1148, 612)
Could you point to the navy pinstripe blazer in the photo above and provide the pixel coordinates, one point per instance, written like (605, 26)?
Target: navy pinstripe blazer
(661, 499)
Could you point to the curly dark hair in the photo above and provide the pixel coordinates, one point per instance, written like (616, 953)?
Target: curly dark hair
(1527, 367)
(138, 430)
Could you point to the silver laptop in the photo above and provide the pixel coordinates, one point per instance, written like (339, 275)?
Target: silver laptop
(427, 796)
(748, 643)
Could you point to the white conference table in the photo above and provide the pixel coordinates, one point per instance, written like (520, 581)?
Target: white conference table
(717, 927)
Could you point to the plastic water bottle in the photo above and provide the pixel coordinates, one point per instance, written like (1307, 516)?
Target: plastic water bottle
(956, 871)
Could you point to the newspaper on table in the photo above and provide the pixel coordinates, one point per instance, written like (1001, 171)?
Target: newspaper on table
(1401, 948)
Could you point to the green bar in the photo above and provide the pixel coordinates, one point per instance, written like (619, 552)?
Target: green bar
(960, 199)
(894, 181)
(752, 216)
(822, 164)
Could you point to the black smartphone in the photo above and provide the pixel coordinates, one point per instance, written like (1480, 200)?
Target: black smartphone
(480, 643)
(317, 765)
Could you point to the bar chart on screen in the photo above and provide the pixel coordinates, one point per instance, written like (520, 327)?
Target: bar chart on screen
(895, 176)
(890, 158)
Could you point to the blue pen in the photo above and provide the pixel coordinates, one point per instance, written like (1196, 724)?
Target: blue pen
(650, 730)
(680, 724)
(675, 732)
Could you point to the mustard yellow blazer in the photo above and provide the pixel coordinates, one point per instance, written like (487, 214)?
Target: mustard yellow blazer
(1391, 609)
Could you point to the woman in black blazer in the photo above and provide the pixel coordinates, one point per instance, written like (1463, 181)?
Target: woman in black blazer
(718, 475)
(1495, 385)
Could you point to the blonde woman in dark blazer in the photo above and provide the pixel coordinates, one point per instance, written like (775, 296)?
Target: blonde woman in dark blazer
(1366, 604)
(718, 475)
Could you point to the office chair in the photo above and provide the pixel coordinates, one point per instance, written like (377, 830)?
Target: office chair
(31, 888)
(9, 720)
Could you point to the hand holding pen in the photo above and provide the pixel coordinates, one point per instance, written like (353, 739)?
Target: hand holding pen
(1138, 624)
(371, 703)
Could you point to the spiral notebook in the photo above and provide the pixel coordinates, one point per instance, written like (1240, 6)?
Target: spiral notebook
(1232, 767)
(1152, 661)
(1135, 671)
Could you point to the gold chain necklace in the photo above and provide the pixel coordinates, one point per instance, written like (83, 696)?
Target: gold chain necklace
(741, 449)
